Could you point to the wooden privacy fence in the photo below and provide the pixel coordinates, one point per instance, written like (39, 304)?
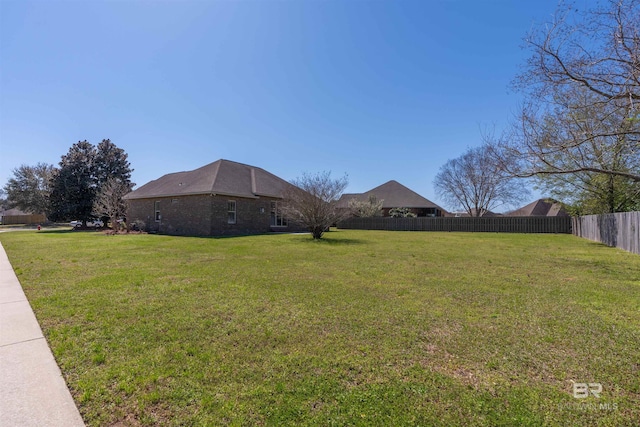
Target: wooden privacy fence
(541, 224)
(621, 229)
(23, 219)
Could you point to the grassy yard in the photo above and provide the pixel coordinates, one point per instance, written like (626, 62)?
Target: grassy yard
(362, 328)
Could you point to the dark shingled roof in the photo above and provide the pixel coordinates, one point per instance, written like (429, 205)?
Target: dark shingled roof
(222, 177)
(393, 194)
(541, 207)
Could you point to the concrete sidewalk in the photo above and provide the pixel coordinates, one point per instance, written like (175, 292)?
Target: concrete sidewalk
(32, 390)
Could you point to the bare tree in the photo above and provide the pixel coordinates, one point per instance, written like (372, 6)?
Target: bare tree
(582, 87)
(312, 201)
(109, 201)
(477, 184)
(366, 208)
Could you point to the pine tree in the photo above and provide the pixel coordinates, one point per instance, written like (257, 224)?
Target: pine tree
(83, 172)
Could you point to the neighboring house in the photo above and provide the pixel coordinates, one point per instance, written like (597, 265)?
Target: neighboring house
(16, 216)
(395, 195)
(541, 207)
(221, 198)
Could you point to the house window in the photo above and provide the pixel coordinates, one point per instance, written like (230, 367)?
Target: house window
(277, 220)
(231, 211)
(156, 208)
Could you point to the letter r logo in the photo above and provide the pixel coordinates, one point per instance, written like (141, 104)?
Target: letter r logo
(596, 389)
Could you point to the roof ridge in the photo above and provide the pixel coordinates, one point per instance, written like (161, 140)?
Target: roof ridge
(404, 187)
(215, 173)
(254, 187)
(237, 163)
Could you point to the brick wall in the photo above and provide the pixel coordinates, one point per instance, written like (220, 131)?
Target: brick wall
(187, 215)
(203, 215)
(252, 216)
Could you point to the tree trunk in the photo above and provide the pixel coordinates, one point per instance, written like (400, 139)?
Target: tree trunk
(317, 232)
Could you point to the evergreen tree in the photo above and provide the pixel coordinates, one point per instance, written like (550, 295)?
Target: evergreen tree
(83, 172)
(74, 184)
(111, 163)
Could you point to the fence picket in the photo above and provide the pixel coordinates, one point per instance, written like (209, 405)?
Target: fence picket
(482, 224)
(621, 229)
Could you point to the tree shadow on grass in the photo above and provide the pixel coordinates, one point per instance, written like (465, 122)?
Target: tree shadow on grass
(327, 239)
(79, 231)
(34, 229)
(56, 231)
(331, 241)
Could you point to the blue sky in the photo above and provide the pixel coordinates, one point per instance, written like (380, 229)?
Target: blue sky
(378, 90)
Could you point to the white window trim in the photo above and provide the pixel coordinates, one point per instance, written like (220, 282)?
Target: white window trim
(277, 215)
(235, 212)
(156, 211)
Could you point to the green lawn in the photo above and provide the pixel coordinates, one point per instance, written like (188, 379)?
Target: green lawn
(361, 328)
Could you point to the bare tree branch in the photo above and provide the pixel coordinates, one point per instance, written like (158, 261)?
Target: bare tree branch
(109, 201)
(578, 131)
(312, 201)
(477, 184)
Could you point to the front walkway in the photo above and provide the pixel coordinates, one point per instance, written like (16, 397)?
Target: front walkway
(32, 390)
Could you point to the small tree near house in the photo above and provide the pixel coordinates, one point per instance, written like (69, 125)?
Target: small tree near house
(109, 201)
(312, 201)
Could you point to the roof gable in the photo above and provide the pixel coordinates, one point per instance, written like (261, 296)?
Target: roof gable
(222, 177)
(540, 207)
(393, 195)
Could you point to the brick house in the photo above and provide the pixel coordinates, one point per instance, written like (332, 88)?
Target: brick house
(221, 198)
(395, 195)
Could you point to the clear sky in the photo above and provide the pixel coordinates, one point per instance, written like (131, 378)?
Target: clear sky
(378, 90)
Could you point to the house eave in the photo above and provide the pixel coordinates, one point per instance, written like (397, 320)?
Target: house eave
(273, 196)
(411, 207)
(164, 195)
(241, 196)
(204, 193)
